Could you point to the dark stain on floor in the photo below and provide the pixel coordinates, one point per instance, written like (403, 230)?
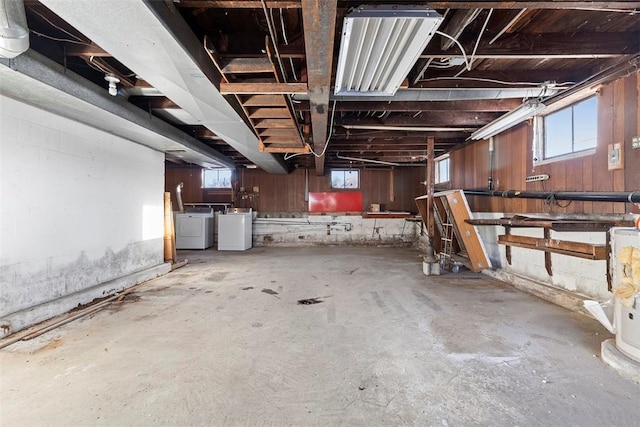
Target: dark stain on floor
(309, 301)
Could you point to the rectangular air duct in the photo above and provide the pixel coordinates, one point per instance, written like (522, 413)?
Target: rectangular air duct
(380, 45)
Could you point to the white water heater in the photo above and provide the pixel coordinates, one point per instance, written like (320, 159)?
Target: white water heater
(626, 267)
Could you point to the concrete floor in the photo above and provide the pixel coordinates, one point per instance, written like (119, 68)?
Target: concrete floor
(223, 341)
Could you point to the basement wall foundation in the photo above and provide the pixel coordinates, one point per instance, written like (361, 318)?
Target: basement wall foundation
(81, 214)
(581, 277)
(302, 229)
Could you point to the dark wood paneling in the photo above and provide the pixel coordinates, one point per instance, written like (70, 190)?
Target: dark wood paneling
(191, 177)
(631, 129)
(285, 193)
(618, 110)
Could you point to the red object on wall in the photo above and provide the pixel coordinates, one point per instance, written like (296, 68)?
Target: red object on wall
(335, 202)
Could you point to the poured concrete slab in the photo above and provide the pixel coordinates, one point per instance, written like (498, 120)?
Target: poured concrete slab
(619, 361)
(225, 341)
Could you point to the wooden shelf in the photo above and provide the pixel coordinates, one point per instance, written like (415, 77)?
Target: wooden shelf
(563, 247)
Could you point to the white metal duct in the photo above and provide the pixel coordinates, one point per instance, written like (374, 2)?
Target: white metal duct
(14, 33)
(152, 39)
(380, 45)
(39, 81)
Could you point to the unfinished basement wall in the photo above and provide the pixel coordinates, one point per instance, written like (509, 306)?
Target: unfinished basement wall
(283, 213)
(394, 189)
(81, 214)
(618, 121)
(618, 111)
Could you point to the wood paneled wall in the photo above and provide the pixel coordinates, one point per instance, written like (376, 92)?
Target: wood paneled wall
(191, 177)
(618, 111)
(395, 189)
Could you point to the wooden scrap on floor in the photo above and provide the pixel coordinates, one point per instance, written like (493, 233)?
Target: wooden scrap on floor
(170, 251)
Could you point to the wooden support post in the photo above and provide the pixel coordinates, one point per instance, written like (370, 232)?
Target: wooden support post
(168, 227)
(547, 255)
(608, 255)
(431, 177)
(507, 249)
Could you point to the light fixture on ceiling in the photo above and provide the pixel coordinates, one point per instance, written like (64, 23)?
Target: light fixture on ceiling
(113, 80)
(380, 45)
(527, 110)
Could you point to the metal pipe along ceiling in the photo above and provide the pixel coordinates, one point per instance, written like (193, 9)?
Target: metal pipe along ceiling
(587, 196)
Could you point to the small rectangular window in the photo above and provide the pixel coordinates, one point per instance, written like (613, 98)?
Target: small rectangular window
(345, 179)
(570, 130)
(216, 178)
(442, 169)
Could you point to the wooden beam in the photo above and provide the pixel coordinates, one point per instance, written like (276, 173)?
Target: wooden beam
(443, 138)
(271, 100)
(483, 78)
(286, 52)
(457, 24)
(579, 5)
(563, 247)
(239, 4)
(269, 113)
(427, 118)
(486, 105)
(247, 65)
(545, 45)
(319, 30)
(274, 123)
(509, 24)
(431, 180)
(278, 132)
(296, 149)
(262, 88)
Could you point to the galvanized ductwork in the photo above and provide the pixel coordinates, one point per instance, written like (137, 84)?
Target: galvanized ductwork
(14, 32)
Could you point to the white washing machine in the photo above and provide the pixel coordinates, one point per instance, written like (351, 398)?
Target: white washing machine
(235, 230)
(194, 230)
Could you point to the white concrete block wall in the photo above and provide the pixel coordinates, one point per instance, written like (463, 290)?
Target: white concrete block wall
(304, 229)
(581, 276)
(78, 207)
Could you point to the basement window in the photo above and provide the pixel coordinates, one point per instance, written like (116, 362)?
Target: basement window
(442, 169)
(573, 130)
(345, 179)
(216, 178)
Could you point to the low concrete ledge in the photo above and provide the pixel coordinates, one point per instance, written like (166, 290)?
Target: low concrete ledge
(569, 300)
(624, 365)
(22, 319)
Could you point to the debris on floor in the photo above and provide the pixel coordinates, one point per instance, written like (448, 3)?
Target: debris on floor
(309, 301)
